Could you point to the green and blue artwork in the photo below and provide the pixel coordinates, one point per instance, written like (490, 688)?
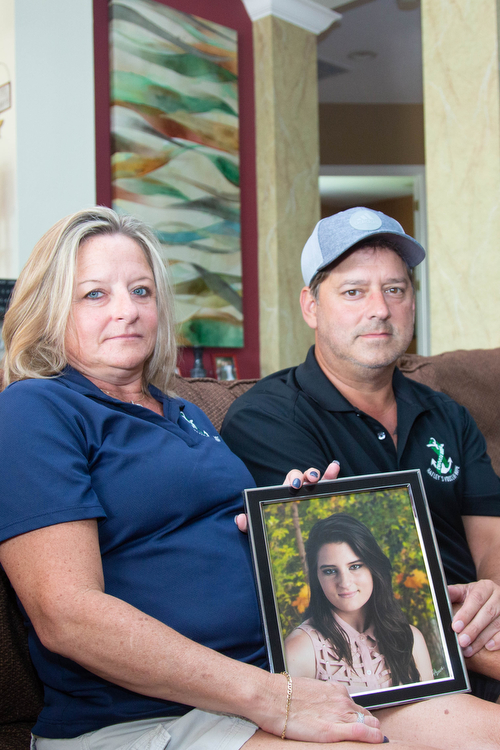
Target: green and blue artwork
(175, 156)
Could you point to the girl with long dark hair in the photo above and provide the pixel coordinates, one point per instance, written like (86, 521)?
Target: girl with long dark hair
(355, 632)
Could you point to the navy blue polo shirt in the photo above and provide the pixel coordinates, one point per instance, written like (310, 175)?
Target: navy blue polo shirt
(298, 418)
(165, 490)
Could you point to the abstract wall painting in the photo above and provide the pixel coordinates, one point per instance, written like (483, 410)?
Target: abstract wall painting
(175, 156)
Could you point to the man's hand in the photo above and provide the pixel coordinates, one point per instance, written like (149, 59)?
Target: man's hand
(476, 615)
(296, 479)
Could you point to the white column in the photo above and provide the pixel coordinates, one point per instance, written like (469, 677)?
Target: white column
(286, 111)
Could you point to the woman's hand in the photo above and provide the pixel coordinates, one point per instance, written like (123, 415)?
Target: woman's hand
(319, 712)
(296, 479)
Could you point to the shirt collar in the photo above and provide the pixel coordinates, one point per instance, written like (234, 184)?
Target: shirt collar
(83, 385)
(314, 382)
(411, 400)
(352, 632)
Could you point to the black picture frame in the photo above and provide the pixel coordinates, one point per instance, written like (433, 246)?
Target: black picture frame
(394, 507)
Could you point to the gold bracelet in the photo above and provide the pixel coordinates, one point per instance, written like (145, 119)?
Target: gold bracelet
(288, 701)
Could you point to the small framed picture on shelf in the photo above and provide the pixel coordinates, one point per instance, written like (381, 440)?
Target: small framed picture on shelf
(225, 366)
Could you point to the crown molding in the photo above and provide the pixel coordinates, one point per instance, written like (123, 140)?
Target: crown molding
(307, 14)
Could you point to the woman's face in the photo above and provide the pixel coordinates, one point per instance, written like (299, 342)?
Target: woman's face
(113, 322)
(345, 579)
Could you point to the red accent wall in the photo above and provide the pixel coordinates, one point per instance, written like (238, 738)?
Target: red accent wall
(230, 13)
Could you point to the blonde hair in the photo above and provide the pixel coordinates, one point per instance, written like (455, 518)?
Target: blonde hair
(35, 324)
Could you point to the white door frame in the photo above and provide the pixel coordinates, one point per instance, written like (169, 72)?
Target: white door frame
(417, 173)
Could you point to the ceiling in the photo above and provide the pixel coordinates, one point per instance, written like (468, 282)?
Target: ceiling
(375, 53)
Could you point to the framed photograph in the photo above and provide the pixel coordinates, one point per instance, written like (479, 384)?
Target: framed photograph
(352, 588)
(225, 367)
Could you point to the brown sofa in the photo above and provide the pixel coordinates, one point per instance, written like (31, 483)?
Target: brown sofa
(471, 377)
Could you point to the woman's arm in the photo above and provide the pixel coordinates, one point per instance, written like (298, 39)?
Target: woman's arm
(57, 574)
(300, 656)
(421, 655)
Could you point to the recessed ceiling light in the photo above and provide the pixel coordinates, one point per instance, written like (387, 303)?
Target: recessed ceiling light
(359, 55)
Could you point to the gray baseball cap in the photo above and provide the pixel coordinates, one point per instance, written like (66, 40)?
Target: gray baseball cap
(335, 235)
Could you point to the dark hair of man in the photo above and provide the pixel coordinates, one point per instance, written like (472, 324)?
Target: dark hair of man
(377, 244)
(391, 629)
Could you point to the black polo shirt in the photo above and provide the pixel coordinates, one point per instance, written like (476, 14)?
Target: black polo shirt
(296, 418)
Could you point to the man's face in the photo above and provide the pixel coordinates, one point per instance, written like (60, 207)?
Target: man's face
(365, 310)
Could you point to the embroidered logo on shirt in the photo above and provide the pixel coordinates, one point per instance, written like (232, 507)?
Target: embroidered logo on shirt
(442, 467)
(198, 430)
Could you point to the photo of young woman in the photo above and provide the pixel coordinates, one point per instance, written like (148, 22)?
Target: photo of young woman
(354, 632)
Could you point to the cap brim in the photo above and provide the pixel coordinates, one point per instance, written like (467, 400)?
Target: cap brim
(411, 251)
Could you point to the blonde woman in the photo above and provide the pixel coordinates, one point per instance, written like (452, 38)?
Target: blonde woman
(117, 514)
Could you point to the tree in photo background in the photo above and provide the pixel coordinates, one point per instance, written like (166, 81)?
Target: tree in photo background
(388, 515)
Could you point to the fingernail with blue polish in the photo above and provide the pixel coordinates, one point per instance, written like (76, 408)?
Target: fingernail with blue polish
(336, 462)
(296, 483)
(386, 739)
(313, 474)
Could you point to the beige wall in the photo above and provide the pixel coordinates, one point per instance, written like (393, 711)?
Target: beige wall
(371, 134)
(462, 140)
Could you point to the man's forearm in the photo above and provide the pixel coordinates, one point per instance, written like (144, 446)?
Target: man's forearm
(485, 662)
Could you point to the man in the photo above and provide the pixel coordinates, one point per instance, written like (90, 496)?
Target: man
(349, 403)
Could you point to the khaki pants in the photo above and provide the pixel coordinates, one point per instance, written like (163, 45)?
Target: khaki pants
(197, 730)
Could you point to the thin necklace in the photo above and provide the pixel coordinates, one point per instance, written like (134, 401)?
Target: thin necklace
(122, 399)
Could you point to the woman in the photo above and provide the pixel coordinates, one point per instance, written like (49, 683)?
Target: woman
(355, 632)
(117, 514)
(117, 509)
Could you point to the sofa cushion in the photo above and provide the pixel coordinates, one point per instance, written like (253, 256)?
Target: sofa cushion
(213, 396)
